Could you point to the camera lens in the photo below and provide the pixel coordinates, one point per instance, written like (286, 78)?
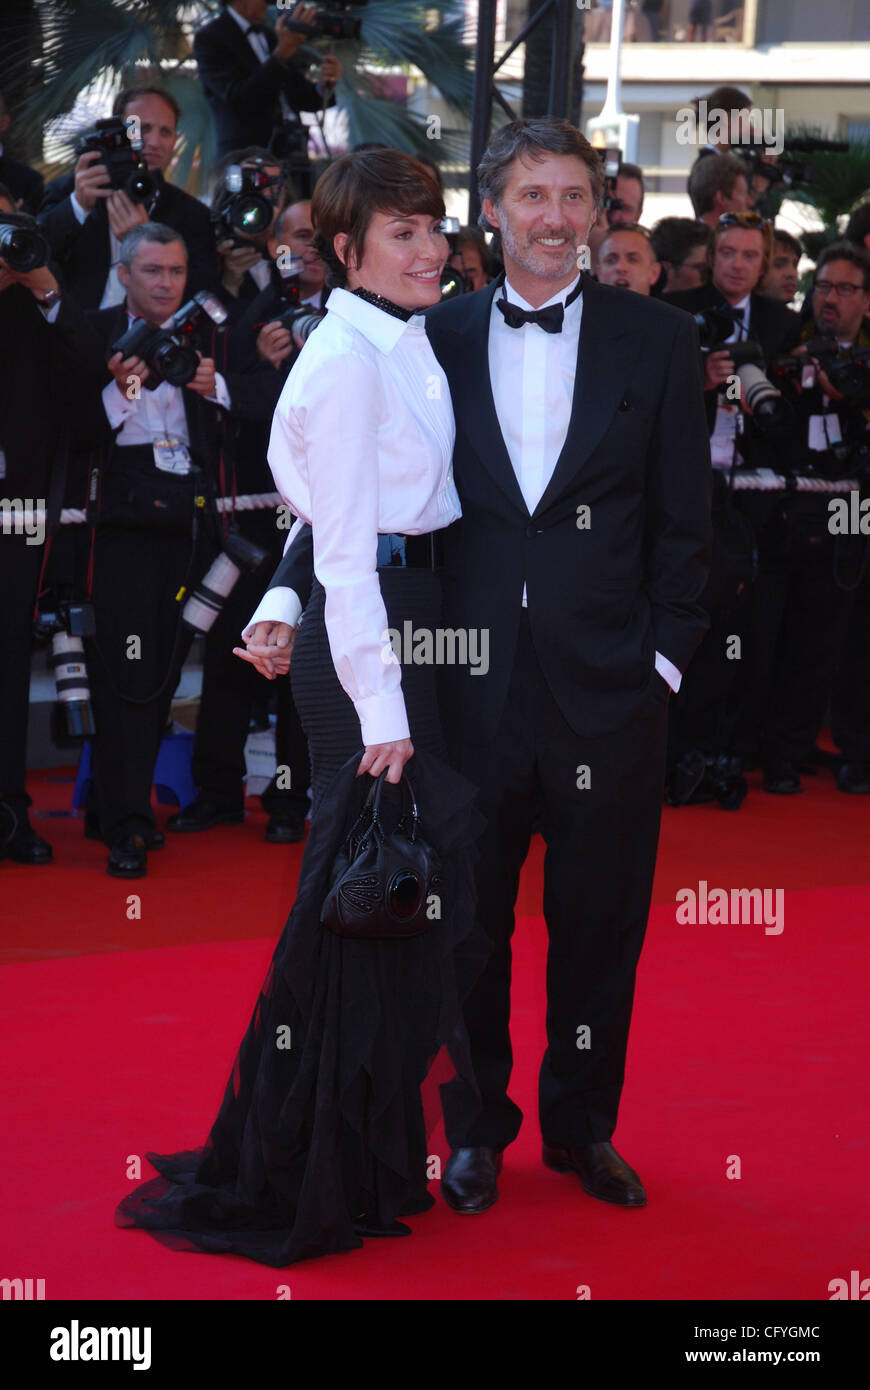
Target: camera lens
(140, 185)
(175, 363)
(251, 214)
(23, 248)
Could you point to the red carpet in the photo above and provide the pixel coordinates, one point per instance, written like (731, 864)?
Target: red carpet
(119, 1034)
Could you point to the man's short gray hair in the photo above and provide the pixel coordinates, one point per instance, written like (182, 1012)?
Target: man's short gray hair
(535, 139)
(154, 232)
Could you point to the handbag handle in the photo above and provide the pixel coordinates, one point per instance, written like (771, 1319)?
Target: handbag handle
(369, 819)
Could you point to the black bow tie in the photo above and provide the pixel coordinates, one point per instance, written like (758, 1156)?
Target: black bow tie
(550, 319)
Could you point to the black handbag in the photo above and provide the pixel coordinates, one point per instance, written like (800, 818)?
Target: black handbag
(384, 882)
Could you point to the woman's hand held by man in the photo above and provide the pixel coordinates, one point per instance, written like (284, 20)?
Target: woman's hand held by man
(268, 648)
(379, 756)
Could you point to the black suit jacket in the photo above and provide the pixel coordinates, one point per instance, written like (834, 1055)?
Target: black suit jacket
(603, 599)
(82, 249)
(242, 92)
(775, 327)
(22, 182)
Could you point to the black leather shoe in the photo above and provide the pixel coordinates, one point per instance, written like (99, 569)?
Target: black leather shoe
(26, 847)
(854, 777)
(155, 840)
(782, 778)
(128, 858)
(601, 1171)
(285, 828)
(468, 1183)
(202, 814)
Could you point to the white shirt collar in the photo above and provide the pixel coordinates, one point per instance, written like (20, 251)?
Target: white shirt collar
(244, 24)
(558, 298)
(382, 330)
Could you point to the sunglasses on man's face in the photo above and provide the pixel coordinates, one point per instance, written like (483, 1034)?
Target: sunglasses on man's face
(741, 219)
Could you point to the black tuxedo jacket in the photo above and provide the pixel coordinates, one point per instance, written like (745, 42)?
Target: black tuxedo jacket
(82, 249)
(774, 326)
(22, 182)
(242, 92)
(603, 598)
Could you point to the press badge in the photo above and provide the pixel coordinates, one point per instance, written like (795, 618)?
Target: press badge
(171, 456)
(824, 431)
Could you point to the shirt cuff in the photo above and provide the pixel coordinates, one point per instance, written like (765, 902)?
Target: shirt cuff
(221, 395)
(278, 605)
(80, 214)
(117, 407)
(383, 718)
(669, 672)
(50, 314)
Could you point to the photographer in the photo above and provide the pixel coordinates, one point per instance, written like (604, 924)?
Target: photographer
(681, 247)
(717, 185)
(251, 78)
(261, 353)
(38, 349)
(86, 218)
(623, 203)
(800, 602)
(701, 753)
(243, 221)
(154, 455)
(627, 258)
(780, 280)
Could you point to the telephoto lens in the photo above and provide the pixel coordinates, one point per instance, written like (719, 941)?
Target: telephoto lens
(207, 599)
(22, 245)
(67, 660)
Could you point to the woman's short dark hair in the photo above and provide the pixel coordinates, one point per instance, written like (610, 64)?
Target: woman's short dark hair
(358, 185)
(535, 139)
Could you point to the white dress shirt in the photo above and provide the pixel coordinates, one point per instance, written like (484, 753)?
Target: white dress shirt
(362, 444)
(533, 379)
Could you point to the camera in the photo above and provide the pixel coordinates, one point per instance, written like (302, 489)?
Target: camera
(847, 369)
(207, 599)
(453, 282)
(243, 209)
(22, 245)
(64, 623)
(122, 158)
(334, 23)
(769, 408)
(164, 348)
(297, 318)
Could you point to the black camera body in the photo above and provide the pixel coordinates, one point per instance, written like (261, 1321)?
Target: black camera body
(243, 210)
(334, 23)
(22, 245)
(847, 368)
(166, 349)
(122, 158)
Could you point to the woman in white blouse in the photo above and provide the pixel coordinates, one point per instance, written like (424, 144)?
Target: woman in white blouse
(321, 1137)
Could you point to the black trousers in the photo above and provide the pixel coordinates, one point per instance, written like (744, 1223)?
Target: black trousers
(230, 688)
(19, 574)
(788, 659)
(134, 662)
(598, 874)
(850, 698)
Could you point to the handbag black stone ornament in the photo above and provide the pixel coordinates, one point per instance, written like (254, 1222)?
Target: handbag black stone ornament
(383, 881)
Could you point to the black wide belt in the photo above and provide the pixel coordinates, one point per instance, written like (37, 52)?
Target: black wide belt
(411, 552)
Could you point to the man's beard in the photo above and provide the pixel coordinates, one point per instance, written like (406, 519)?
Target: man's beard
(535, 259)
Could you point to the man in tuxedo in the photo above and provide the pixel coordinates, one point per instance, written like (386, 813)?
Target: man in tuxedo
(86, 220)
(142, 562)
(703, 760)
(249, 76)
(582, 464)
(24, 183)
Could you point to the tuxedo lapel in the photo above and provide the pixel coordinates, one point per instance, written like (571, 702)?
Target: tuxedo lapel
(471, 390)
(606, 355)
(239, 41)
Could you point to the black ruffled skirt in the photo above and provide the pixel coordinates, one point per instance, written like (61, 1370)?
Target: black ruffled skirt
(313, 1134)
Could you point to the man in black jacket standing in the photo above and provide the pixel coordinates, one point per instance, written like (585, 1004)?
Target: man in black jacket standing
(582, 465)
(249, 77)
(24, 183)
(86, 220)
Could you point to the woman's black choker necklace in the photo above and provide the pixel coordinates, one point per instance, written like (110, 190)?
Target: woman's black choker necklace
(386, 304)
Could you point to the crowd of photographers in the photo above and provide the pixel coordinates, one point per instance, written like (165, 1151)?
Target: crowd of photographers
(146, 336)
